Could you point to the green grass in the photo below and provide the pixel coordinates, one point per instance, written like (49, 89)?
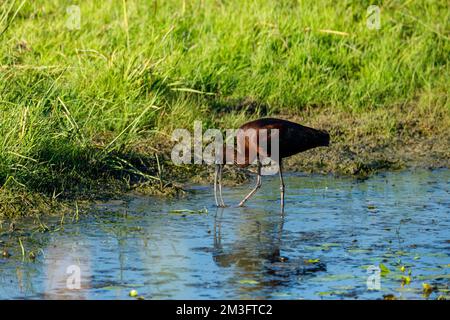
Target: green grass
(74, 102)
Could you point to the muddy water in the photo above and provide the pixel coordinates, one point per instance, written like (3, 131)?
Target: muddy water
(339, 238)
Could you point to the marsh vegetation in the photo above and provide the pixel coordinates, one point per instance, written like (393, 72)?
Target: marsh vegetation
(86, 112)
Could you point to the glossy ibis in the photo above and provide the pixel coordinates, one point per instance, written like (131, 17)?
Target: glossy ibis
(292, 138)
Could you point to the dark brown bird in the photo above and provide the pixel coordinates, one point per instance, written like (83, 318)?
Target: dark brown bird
(255, 144)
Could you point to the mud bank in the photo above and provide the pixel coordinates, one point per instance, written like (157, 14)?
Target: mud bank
(362, 144)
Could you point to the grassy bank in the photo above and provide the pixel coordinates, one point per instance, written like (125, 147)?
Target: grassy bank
(89, 111)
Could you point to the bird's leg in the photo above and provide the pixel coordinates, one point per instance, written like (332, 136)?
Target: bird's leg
(258, 185)
(222, 203)
(218, 229)
(281, 188)
(216, 172)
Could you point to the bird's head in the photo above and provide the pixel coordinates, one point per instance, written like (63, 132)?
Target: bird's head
(324, 138)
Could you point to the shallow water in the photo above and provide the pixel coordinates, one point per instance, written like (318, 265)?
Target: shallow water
(333, 230)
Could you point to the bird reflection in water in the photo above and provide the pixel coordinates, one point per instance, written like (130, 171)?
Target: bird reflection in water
(67, 269)
(257, 254)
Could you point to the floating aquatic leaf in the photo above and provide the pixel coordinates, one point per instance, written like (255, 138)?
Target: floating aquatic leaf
(432, 269)
(313, 248)
(436, 255)
(334, 277)
(112, 288)
(384, 269)
(402, 268)
(406, 280)
(330, 293)
(120, 287)
(434, 276)
(188, 211)
(331, 244)
(133, 293)
(325, 293)
(408, 289)
(248, 281)
(310, 261)
(343, 287)
(281, 294)
(427, 288)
